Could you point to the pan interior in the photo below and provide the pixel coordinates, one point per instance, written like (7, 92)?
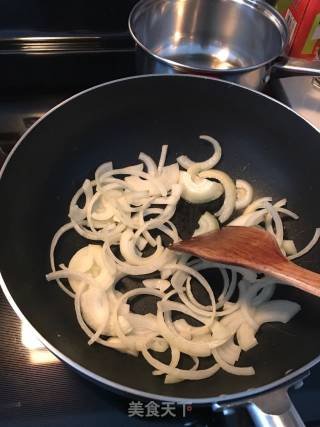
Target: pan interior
(262, 142)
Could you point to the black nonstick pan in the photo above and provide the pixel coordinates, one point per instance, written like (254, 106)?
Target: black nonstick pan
(262, 140)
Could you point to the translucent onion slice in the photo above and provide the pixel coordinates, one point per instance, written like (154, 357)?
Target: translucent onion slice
(156, 185)
(130, 341)
(183, 374)
(276, 311)
(199, 190)
(162, 160)
(274, 216)
(244, 194)
(265, 293)
(90, 260)
(67, 274)
(192, 298)
(105, 167)
(128, 249)
(150, 164)
(172, 232)
(105, 212)
(175, 357)
(167, 305)
(228, 205)
(160, 284)
(95, 310)
(165, 216)
(202, 349)
(234, 370)
(257, 204)
(60, 232)
(250, 219)
(186, 163)
(171, 379)
(166, 257)
(211, 309)
(308, 247)
(168, 177)
(246, 337)
(230, 352)
(207, 222)
(289, 247)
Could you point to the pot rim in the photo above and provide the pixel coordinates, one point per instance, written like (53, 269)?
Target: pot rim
(260, 6)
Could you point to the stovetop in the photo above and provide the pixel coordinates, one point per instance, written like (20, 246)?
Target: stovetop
(36, 389)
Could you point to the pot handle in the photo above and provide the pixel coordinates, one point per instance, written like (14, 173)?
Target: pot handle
(287, 67)
(274, 409)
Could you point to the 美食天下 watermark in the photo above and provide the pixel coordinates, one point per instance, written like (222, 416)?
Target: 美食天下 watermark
(158, 410)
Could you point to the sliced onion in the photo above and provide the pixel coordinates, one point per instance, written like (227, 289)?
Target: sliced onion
(191, 348)
(250, 219)
(257, 204)
(105, 167)
(246, 337)
(234, 370)
(201, 280)
(162, 160)
(150, 164)
(129, 251)
(155, 184)
(276, 311)
(207, 222)
(130, 341)
(53, 245)
(170, 175)
(244, 194)
(90, 260)
(175, 357)
(165, 258)
(184, 374)
(230, 352)
(200, 190)
(95, 310)
(289, 247)
(185, 162)
(308, 247)
(228, 206)
(160, 284)
(274, 216)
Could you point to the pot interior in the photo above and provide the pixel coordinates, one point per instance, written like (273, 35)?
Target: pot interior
(209, 34)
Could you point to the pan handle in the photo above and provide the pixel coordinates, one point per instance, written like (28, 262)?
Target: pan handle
(289, 67)
(274, 409)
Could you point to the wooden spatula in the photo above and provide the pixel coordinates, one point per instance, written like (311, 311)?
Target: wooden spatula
(251, 248)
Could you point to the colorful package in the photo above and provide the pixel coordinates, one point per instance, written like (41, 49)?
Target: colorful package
(303, 20)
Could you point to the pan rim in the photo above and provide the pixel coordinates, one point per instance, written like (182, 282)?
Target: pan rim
(243, 395)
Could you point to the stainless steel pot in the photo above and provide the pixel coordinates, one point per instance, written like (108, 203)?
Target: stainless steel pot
(238, 40)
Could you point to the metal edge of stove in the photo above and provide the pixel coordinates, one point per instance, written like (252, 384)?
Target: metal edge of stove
(302, 94)
(66, 43)
(60, 63)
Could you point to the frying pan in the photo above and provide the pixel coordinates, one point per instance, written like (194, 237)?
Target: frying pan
(263, 141)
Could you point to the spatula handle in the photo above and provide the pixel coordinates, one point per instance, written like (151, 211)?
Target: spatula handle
(297, 276)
